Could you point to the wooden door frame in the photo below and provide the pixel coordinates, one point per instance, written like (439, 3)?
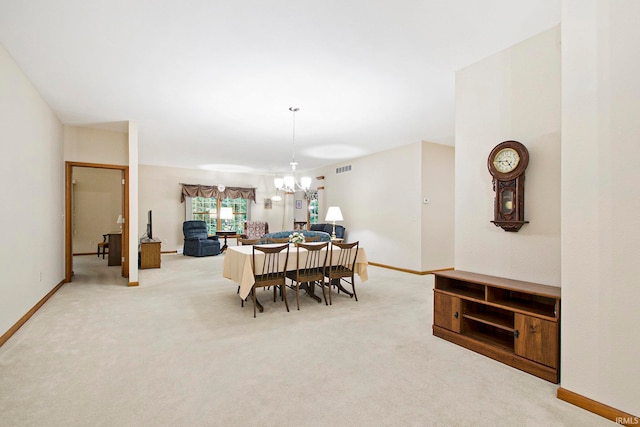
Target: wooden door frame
(68, 215)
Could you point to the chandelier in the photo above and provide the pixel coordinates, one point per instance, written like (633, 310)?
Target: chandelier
(289, 184)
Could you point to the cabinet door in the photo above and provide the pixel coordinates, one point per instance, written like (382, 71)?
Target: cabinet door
(446, 312)
(536, 339)
(150, 255)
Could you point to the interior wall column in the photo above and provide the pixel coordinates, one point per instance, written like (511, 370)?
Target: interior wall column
(322, 203)
(130, 229)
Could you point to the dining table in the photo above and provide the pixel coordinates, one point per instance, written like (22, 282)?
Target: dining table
(237, 265)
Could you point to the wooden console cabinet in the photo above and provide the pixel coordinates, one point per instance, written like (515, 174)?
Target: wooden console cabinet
(514, 322)
(115, 249)
(149, 254)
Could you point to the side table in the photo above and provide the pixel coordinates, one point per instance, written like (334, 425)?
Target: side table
(227, 234)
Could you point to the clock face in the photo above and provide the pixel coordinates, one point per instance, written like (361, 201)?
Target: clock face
(506, 160)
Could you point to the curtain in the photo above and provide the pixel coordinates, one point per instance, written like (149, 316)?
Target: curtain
(197, 190)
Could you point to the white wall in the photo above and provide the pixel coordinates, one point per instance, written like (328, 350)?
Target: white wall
(601, 201)
(32, 176)
(514, 94)
(380, 199)
(82, 144)
(381, 202)
(438, 225)
(160, 189)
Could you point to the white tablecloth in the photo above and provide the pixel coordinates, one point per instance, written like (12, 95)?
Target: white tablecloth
(237, 264)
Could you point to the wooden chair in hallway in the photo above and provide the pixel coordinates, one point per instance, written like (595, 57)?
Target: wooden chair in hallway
(103, 246)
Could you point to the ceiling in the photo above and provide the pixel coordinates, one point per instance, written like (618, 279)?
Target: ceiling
(210, 83)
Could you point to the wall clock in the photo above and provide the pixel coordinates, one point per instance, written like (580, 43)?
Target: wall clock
(507, 163)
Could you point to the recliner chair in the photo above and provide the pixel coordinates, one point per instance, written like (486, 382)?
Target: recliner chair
(196, 240)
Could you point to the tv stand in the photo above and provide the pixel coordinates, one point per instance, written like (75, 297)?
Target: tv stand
(514, 322)
(149, 253)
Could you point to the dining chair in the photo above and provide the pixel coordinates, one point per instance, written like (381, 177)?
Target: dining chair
(267, 263)
(249, 241)
(341, 268)
(311, 270)
(277, 240)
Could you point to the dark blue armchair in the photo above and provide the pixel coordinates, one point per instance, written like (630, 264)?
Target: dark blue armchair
(196, 240)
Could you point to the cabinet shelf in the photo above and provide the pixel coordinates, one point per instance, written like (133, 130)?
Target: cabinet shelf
(501, 341)
(534, 304)
(458, 287)
(511, 321)
(490, 320)
(488, 314)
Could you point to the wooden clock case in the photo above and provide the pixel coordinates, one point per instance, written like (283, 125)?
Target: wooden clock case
(509, 188)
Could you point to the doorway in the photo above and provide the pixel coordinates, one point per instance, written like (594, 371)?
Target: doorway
(123, 207)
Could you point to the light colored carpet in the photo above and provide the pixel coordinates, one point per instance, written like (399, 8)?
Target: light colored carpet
(180, 351)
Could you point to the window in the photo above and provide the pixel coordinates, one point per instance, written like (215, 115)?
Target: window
(313, 211)
(206, 209)
(203, 209)
(239, 207)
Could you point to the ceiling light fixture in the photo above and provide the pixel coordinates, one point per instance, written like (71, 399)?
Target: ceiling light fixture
(289, 183)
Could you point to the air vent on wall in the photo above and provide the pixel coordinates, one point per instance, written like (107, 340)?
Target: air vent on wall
(343, 169)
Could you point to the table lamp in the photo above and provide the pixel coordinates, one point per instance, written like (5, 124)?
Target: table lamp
(226, 213)
(120, 221)
(333, 214)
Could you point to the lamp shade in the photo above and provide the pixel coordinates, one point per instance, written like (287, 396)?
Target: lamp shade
(333, 214)
(226, 213)
(305, 182)
(120, 220)
(289, 181)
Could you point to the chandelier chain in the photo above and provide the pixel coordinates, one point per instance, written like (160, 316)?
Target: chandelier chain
(293, 158)
(289, 183)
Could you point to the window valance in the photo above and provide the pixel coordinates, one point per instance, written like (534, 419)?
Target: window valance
(212, 191)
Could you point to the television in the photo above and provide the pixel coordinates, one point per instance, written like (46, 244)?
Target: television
(149, 226)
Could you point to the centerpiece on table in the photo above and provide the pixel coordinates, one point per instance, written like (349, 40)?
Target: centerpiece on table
(296, 237)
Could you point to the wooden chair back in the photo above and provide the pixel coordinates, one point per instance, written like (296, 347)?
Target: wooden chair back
(269, 270)
(277, 240)
(342, 264)
(249, 241)
(266, 271)
(312, 268)
(309, 270)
